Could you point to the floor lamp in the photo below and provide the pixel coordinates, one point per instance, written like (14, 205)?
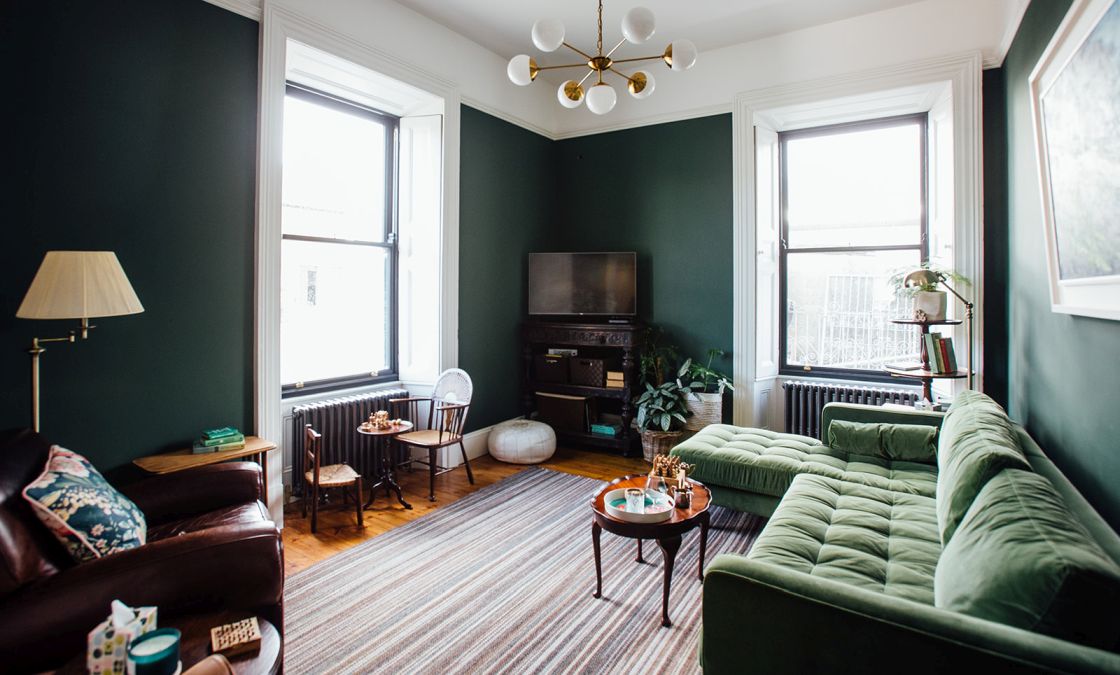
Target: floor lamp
(79, 285)
(925, 277)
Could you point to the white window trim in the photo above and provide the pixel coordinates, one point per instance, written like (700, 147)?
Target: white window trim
(755, 398)
(278, 26)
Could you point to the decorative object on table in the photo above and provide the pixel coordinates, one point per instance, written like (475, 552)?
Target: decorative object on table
(107, 644)
(219, 440)
(926, 280)
(215, 664)
(637, 27)
(82, 510)
(236, 638)
(655, 507)
(319, 477)
(155, 653)
(682, 496)
(1076, 117)
(706, 387)
(669, 471)
(379, 420)
(79, 285)
(635, 500)
(522, 442)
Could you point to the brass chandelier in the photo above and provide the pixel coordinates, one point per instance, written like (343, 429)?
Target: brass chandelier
(637, 27)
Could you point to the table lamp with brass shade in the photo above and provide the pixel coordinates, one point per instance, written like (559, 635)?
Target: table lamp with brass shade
(927, 277)
(79, 285)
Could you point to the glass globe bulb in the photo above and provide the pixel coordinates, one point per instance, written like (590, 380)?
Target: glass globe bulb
(680, 55)
(548, 34)
(638, 25)
(601, 98)
(641, 84)
(521, 70)
(570, 94)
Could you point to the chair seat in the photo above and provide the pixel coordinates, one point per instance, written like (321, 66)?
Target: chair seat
(429, 438)
(334, 475)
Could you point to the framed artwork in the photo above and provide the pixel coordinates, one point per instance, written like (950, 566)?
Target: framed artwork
(1075, 102)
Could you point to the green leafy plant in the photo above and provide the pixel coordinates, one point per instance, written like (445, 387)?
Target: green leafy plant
(898, 280)
(663, 407)
(703, 378)
(658, 358)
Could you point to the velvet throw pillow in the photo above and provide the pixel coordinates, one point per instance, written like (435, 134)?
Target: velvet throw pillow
(902, 442)
(1020, 558)
(82, 510)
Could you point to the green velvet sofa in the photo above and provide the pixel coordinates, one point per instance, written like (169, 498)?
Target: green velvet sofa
(916, 542)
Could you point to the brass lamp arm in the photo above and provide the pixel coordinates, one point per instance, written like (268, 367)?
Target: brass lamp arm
(569, 65)
(578, 51)
(638, 58)
(967, 304)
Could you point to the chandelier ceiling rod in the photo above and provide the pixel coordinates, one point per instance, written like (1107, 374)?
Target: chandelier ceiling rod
(637, 27)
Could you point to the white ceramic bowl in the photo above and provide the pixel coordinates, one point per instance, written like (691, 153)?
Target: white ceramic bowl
(659, 507)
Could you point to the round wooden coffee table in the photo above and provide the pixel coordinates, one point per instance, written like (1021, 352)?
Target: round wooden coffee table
(667, 533)
(380, 440)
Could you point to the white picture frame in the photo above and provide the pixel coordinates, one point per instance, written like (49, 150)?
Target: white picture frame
(1076, 118)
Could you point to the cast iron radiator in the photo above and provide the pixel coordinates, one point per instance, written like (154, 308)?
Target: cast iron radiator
(338, 419)
(805, 401)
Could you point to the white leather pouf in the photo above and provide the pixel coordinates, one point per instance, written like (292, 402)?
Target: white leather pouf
(522, 442)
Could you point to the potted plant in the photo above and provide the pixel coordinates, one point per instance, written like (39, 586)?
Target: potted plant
(657, 357)
(662, 414)
(930, 303)
(706, 387)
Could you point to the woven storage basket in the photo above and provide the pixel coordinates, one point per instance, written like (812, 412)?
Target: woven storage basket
(658, 443)
(706, 409)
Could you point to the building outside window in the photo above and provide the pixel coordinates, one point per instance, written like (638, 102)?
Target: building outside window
(853, 213)
(338, 252)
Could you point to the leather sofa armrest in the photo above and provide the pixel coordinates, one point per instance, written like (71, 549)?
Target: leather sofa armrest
(783, 621)
(233, 567)
(858, 412)
(186, 493)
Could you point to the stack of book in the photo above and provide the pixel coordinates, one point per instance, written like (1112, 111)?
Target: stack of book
(216, 440)
(615, 379)
(942, 358)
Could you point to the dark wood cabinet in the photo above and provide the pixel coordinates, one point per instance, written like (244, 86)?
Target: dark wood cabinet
(618, 344)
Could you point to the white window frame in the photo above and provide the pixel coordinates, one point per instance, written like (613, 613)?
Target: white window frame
(937, 85)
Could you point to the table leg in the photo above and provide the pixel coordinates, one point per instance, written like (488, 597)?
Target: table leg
(705, 520)
(263, 460)
(596, 530)
(639, 558)
(375, 446)
(391, 482)
(669, 548)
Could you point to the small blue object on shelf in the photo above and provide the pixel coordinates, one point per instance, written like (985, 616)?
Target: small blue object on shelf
(155, 653)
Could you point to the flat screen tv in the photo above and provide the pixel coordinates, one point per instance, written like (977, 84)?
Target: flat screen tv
(583, 284)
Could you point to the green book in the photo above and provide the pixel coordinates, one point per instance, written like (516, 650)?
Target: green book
(222, 432)
(223, 440)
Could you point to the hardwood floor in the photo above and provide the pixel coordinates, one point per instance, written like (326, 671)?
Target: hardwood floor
(338, 528)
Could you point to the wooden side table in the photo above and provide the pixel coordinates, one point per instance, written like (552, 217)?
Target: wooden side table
(667, 533)
(381, 440)
(181, 460)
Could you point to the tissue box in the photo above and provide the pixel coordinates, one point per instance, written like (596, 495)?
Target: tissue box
(107, 646)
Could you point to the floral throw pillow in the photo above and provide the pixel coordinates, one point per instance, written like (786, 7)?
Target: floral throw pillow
(82, 510)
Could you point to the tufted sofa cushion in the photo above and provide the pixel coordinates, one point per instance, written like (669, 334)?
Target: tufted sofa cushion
(766, 462)
(867, 537)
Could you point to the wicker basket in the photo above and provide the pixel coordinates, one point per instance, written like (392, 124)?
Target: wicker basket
(706, 409)
(658, 443)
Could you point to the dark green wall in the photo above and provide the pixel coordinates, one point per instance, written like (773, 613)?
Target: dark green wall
(664, 191)
(507, 189)
(1064, 370)
(993, 305)
(131, 126)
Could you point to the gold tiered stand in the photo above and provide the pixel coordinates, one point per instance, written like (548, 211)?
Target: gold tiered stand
(926, 374)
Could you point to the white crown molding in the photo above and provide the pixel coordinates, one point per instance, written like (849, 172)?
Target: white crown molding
(246, 8)
(508, 117)
(1009, 33)
(664, 118)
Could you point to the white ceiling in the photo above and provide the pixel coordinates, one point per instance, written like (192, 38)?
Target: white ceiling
(504, 26)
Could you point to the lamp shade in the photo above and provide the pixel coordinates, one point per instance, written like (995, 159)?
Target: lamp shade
(79, 285)
(601, 98)
(522, 70)
(680, 55)
(548, 34)
(638, 25)
(570, 94)
(641, 84)
(922, 277)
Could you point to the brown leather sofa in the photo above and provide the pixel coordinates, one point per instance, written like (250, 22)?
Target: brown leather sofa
(211, 545)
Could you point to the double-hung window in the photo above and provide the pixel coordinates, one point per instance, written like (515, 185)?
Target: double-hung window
(853, 214)
(338, 321)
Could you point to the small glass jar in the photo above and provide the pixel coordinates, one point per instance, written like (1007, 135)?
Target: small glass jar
(682, 496)
(635, 500)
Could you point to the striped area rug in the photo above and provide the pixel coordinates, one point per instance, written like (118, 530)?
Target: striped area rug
(501, 582)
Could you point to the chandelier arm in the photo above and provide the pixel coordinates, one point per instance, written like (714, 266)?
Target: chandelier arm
(621, 74)
(615, 48)
(569, 65)
(639, 58)
(577, 51)
(589, 74)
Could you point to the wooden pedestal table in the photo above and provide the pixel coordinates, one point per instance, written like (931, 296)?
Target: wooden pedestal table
(380, 441)
(181, 460)
(667, 533)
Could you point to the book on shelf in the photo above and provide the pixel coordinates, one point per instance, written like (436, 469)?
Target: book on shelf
(558, 351)
(950, 354)
(933, 353)
(199, 449)
(223, 440)
(220, 432)
(614, 384)
(615, 375)
(905, 366)
(606, 429)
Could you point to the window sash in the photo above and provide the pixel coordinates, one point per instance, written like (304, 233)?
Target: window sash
(388, 241)
(784, 250)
